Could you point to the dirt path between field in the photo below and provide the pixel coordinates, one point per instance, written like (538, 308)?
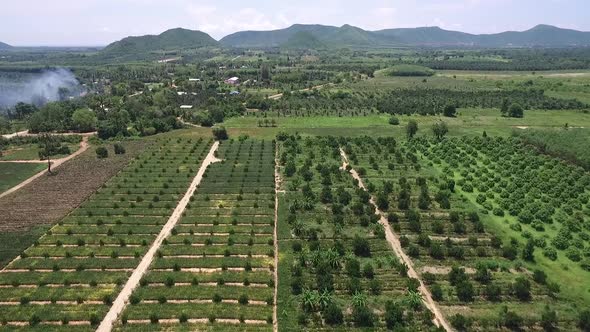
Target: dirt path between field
(54, 164)
(439, 320)
(121, 301)
(275, 324)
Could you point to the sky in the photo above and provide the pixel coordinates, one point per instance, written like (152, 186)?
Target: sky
(100, 22)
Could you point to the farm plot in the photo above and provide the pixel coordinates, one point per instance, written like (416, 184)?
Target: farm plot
(72, 274)
(336, 269)
(215, 270)
(475, 277)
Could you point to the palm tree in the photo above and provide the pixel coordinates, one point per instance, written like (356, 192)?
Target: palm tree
(359, 300)
(309, 300)
(414, 300)
(324, 299)
(333, 258)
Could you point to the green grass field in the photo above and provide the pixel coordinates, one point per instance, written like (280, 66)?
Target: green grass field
(468, 122)
(12, 174)
(31, 152)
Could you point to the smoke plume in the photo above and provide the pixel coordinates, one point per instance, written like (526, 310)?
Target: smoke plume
(39, 89)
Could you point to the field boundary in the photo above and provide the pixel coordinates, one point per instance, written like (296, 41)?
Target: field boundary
(393, 240)
(122, 299)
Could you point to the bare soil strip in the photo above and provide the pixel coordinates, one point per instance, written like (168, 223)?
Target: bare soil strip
(119, 304)
(393, 239)
(275, 322)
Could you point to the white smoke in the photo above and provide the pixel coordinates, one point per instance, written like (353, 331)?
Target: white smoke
(49, 85)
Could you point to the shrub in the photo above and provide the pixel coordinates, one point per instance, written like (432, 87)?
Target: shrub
(363, 317)
(465, 291)
(333, 314)
(460, 322)
(522, 289)
(394, 121)
(243, 299)
(437, 292)
(361, 247)
(34, 320)
(119, 149)
(584, 321)
(394, 315)
(102, 152)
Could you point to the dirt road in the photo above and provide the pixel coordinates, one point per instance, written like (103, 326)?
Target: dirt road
(54, 164)
(20, 133)
(276, 240)
(121, 301)
(393, 239)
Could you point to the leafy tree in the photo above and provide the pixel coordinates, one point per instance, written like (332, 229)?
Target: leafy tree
(450, 111)
(220, 133)
(439, 130)
(528, 252)
(84, 120)
(49, 146)
(515, 111)
(411, 129)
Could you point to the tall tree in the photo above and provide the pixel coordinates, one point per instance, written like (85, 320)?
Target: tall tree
(439, 130)
(411, 128)
(48, 148)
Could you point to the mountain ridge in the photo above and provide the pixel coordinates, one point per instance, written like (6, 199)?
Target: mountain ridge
(171, 39)
(4, 46)
(347, 35)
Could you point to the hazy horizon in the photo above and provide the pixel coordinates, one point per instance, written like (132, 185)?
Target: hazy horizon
(98, 23)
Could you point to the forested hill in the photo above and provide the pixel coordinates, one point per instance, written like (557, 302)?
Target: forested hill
(349, 36)
(173, 39)
(4, 46)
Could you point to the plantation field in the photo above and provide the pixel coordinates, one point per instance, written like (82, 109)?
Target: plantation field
(336, 268)
(217, 266)
(12, 174)
(75, 270)
(464, 264)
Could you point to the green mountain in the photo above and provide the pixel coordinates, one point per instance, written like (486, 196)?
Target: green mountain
(304, 40)
(541, 35)
(273, 38)
(426, 36)
(173, 39)
(349, 36)
(4, 46)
